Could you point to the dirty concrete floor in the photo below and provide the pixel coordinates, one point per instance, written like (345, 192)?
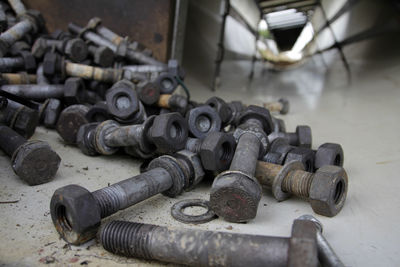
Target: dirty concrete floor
(362, 116)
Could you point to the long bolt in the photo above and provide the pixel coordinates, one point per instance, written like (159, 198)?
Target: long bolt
(235, 193)
(31, 22)
(209, 248)
(76, 49)
(76, 212)
(326, 189)
(98, 40)
(146, 68)
(17, 6)
(93, 73)
(11, 63)
(17, 78)
(35, 91)
(326, 254)
(33, 161)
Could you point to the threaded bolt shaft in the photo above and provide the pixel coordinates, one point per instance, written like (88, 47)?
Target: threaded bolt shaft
(13, 34)
(93, 73)
(17, 78)
(298, 183)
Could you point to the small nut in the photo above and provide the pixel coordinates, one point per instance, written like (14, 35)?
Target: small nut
(122, 100)
(303, 155)
(329, 154)
(202, 121)
(259, 113)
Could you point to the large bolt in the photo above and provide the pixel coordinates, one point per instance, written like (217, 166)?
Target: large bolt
(209, 248)
(36, 92)
(33, 161)
(32, 20)
(165, 133)
(235, 193)
(17, 78)
(216, 150)
(302, 137)
(326, 254)
(75, 49)
(21, 119)
(25, 61)
(281, 106)
(77, 213)
(145, 68)
(117, 49)
(326, 189)
(69, 122)
(327, 154)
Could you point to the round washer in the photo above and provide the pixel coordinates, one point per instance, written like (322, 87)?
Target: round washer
(177, 211)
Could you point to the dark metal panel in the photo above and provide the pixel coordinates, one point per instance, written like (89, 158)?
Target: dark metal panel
(146, 21)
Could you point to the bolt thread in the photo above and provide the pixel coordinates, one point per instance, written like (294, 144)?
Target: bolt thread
(298, 183)
(109, 200)
(127, 238)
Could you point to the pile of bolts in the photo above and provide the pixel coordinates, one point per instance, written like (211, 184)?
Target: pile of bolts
(104, 94)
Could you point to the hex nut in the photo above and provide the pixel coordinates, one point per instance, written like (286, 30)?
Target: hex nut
(169, 132)
(75, 214)
(35, 162)
(166, 82)
(216, 151)
(329, 154)
(221, 107)
(69, 122)
(202, 121)
(122, 100)
(149, 93)
(74, 91)
(304, 136)
(197, 168)
(328, 190)
(303, 155)
(259, 113)
(29, 61)
(76, 49)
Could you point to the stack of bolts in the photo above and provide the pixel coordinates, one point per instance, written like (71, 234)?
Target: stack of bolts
(105, 93)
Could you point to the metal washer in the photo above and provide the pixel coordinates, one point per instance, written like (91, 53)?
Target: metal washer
(177, 211)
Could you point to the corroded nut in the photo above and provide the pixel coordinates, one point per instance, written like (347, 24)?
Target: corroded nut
(328, 190)
(221, 107)
(202, 121)
(304, 136)
(259, 113)
(35, 162)
(303, 155)
(197, 168)
(217, 151)
(122, 100)
(74, 91)
(69, 122)
(76, 49)
(75, 214)
(169, 132)
(235, 196)
(329, 154)
(166, 82)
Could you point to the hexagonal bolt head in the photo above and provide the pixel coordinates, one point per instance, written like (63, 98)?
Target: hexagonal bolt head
(166, 82)
(217, 151)
(149, 93)
(74, 91)
(35, 162)
(52, 64)
(75, 214)
(103, 56)
(258, 113)
(76, 49)
(69, 122)
(26, 122)
(329, 154)
(303, 155)
(328, 190)
(202, 121)
(169, 132)
(39, 48)
(304, 136)
(51, 113)
(221, 107)
(122, 100)
(235, 196)
(29, 61)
